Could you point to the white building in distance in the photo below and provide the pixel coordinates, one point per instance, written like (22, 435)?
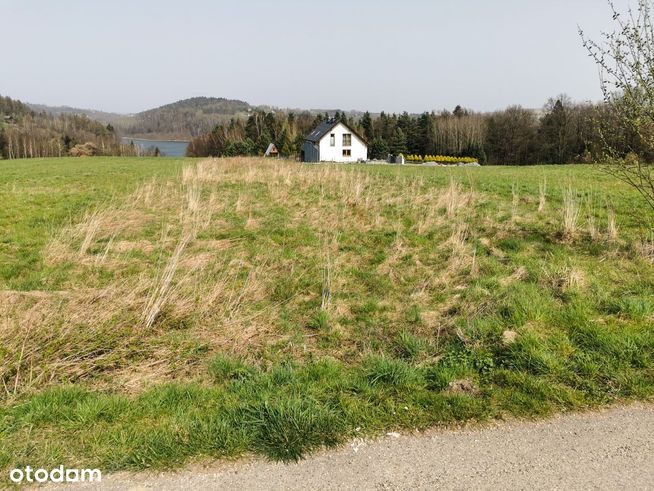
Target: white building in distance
(334, 141)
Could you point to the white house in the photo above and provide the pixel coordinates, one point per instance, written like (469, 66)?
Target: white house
(334, 141)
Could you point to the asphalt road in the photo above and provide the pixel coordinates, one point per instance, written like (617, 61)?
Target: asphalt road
(612, 449)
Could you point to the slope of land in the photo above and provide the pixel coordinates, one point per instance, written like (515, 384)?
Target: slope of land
(179, 120)
(607, 450)
(27, 133)
(184, 119)
(155, 312)
(102, 116)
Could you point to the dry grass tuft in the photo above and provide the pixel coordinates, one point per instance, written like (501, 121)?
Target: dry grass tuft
(646, 248)
(574, 279)
(591, 224)
(570, 213)
(542, 195)
(454, 199)
(515, 199)
(91, 226)
(611, 225)
(519, 274)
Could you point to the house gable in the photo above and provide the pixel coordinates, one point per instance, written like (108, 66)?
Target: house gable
(342, 144)
(334, 141)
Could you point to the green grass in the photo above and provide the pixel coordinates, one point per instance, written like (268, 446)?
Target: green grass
(311, 304)
(39, 196)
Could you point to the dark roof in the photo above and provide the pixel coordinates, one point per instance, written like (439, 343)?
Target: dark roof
(325, 127)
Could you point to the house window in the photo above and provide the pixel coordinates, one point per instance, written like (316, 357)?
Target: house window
(347, 152)
(332, 140)
(347, 139)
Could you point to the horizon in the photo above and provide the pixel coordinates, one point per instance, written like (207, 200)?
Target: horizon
(286, 109)
(415, 59)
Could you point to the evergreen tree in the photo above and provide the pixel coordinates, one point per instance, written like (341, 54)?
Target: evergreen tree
(237, 148)
(366, 124)
(424, 139)
(263, 142)
(269, 122)
(251, 127)
(408, 126)
(398, 143)
(283, 143)
(378, 149)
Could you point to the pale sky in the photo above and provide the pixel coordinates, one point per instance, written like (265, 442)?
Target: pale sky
(413, 55)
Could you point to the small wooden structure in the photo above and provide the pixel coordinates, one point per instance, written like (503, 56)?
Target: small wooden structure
(272, 151)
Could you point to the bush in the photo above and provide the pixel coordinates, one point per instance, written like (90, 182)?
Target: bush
(88, 149)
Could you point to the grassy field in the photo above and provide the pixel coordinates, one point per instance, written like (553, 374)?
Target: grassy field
(157, 311)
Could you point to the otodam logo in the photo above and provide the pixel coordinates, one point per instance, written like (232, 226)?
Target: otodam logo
(57, 475)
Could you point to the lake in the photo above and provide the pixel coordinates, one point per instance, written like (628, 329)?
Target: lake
(168, 148)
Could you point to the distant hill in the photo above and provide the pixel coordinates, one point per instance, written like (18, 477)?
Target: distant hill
(181, 120)
(184, 119)
(103, 117)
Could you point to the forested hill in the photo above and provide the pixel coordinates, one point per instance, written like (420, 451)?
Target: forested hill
(181, 120)
(184, 119)
(102, 116)
(27, 133)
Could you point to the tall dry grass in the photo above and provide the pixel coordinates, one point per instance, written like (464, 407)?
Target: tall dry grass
(542, 195)
(455, 199)
(570, 212)
(234, 255)
(646, 248)
(611, 224)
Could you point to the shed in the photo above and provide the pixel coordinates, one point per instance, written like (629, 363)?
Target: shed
(271, 151)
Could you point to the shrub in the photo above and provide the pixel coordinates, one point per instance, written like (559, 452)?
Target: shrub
(88, 149)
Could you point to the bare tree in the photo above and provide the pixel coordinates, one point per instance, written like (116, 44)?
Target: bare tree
(625, 58)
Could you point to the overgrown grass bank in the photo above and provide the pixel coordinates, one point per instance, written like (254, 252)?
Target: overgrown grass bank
(229, 306)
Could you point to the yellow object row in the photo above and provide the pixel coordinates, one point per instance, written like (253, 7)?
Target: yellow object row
(440, 158)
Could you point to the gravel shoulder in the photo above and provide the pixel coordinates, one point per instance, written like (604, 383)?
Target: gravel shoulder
(611, 449)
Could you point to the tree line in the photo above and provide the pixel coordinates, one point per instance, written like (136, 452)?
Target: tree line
(562, 132)
(28, 134)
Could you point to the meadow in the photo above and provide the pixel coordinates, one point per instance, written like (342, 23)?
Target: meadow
(156, 311)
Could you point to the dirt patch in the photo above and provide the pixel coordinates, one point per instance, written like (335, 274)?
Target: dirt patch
(462, 386)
